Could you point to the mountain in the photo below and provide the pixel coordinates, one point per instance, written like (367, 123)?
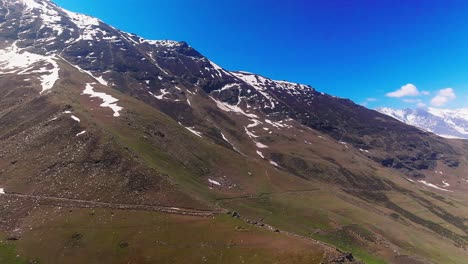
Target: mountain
(443, 122)
(117, 149)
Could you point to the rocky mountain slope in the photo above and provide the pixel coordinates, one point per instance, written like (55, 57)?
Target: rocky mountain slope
(121, 131)
(443, 122)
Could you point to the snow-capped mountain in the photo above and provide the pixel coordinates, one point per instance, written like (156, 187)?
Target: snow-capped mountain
(42, 45)
(443, 122)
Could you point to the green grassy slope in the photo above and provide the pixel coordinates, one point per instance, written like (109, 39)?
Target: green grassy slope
(322, 190)
(105, 236)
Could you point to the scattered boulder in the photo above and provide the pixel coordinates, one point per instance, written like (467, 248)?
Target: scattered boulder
(452, 163)
(344, 258)
(418, 175)
(123, 244)
(77, 236)
(388, 162)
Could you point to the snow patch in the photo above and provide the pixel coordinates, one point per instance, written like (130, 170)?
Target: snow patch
(449, 136)
(274, 163)
(75, 118)
(50, 17)
(198, 134)
(250, 134)
(234, 147)
(262, 85)
(81, 21)
(21, 62)
(260, 145)
(88, 26)
(191, 129)
(108, 100)
(255, 123)
(214, 182)
(344, 144)
(219, 70)
(225, 139)
(163, 43)
(101, 80)
(229, 86)
(161, 96)
(433, 186)
(232, 108)
(253, 137)
(260, 154)
(275, 124)
(81, 133)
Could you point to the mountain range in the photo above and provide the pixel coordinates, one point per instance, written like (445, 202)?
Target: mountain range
(443, 122)
(118, 149)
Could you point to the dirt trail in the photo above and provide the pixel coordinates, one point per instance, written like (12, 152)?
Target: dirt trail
(76, 203)
(68, 202)
(253, 196)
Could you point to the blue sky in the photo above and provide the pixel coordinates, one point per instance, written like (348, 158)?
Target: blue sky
(394, 53)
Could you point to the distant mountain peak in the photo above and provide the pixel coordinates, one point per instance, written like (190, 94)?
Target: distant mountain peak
(447, 123)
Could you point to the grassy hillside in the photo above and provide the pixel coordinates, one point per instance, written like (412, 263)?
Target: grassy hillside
(306, 184)
(72, 235)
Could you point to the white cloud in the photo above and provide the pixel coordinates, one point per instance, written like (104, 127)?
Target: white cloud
(421, 105)
(405, 90)
(371, 99)
(443, 96)
(425, 93)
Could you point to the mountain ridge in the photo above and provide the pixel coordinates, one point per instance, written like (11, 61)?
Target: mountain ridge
(443, 122)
